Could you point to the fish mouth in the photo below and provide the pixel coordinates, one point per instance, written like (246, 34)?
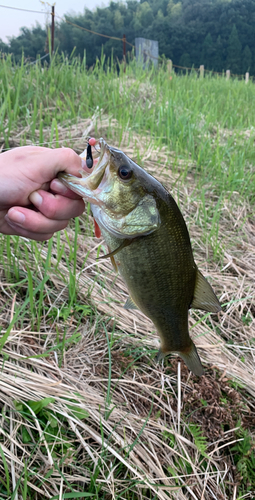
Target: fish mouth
(87, 186)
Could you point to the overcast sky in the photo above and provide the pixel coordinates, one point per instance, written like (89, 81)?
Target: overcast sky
(12, 20)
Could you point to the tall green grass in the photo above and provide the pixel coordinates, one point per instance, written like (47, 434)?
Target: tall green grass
(208, 121)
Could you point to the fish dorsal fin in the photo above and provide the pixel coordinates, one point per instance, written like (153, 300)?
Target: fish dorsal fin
(129, 304)
(204, 296)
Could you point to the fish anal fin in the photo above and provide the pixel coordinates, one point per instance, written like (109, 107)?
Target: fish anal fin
(192, 360)
(129, 304)
(204, 296)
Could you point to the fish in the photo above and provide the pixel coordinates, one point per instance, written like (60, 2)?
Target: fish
(149, 245)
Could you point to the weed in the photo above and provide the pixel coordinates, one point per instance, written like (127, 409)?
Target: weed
(199, 439)
(244, 458)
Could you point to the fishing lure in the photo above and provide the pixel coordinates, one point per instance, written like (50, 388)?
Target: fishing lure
(89, 158)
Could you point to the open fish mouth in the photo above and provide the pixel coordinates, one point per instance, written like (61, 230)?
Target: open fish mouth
(87, 186)
(96, 153)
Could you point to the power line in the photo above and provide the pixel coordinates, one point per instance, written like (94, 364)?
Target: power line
(69, 22)
(37, 60)
(24, 10)
(93, 32)
(101, 34)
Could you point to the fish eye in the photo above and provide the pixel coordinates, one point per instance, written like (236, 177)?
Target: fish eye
(125, 172)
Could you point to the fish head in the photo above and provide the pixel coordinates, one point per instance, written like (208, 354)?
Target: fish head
(119, 191)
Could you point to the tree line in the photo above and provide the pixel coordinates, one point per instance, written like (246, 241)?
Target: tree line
(216, 33)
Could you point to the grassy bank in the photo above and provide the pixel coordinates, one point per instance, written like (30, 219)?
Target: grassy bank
(86, 412)
(209, 121)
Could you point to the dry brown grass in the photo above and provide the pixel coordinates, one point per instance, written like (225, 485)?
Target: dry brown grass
(136, 433)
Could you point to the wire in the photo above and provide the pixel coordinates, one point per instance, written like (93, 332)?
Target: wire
(94, 32)
(108, 36)
(37, 60)
(24, 10)
(205, 70)
(69, 22)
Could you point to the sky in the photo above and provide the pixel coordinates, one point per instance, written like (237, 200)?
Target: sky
(12, 20)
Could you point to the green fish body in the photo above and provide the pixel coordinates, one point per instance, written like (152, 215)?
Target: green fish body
(149, 245)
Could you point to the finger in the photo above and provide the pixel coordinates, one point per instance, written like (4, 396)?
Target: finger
(56, 207)
(35, 222)
(15, 230)
(58, 188)
(62, 159)
(48, 162)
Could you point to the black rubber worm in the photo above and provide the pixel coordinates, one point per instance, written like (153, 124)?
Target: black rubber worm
(89, 158)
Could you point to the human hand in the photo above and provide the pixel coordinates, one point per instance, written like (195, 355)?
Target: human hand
(33, 203)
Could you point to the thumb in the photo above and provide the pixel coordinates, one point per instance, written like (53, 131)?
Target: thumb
(60, 160)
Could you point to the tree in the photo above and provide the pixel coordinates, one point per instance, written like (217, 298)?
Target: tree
(4, 48)
(176, 11)
(208, 52)
(218, 60)
(193, 32)
(118, 20)
(246, 59)
(145, 14)
(234, 52)
(185, 60)
(31, 42)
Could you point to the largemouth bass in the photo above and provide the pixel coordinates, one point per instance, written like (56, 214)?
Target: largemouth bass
(149, 245)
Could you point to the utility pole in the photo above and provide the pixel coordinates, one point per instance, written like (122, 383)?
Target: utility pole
(52, 28)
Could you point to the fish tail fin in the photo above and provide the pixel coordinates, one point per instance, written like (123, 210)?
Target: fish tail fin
(192, 360)
(159, 356)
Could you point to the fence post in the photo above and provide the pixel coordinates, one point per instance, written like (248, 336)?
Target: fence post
(228, 74)
(202, 70)
(169, 66)
(246, 77)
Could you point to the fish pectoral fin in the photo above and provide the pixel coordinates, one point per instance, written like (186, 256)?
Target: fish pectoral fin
(192, 360)
(129, 304)
(124, 244)
(114, 265)
(204, 296)
(113, 261)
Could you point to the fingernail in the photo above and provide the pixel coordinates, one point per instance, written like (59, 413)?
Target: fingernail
(36, 199)
(16, 216)
(58, 186)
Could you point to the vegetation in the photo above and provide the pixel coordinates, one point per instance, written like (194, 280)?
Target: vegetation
(85, 410)
(216, 33)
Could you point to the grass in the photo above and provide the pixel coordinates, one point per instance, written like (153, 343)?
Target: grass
(209, 121)
(85, 411)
